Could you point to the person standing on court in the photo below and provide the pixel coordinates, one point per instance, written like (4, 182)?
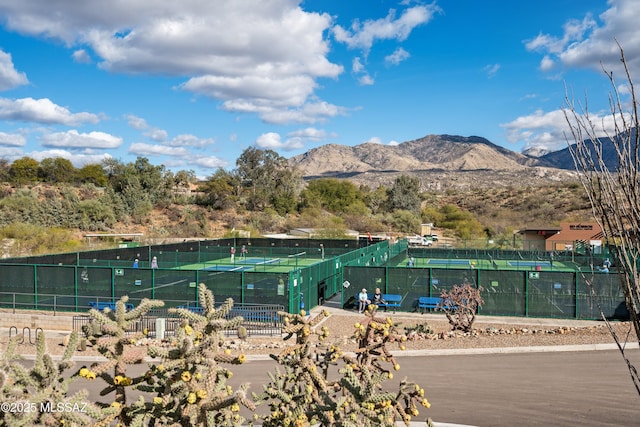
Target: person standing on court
(233, 253)
(243, 252)
(135, 263)
(154, 263)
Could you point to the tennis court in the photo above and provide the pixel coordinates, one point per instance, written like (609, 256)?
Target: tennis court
(218, 267)
(258, 261)
(449, 261)
(486, 264)
(529, 263)
(250, 264)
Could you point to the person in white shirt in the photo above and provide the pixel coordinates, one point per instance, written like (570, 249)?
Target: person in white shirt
(363, 301)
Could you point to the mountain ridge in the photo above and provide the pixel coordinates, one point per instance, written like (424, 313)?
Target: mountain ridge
(444, 152)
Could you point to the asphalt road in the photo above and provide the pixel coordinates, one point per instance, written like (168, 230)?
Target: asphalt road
(589, 388)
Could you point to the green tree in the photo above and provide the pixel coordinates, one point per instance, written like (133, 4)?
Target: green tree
(24, 170)
(334, 195)
(219, 190)
(136, 199)
(92, 174)
(4, 170)
(375, 200)
(56, 170)
(269, 180)
(432, 214)
(463, 222)
(140, 185)
(405, 221)
(405, 194)
(154, 180)
(95, 215)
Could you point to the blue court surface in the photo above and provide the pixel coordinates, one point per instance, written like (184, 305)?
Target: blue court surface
(449, 261)
(228, 268)
(257, 261)
(529, 263)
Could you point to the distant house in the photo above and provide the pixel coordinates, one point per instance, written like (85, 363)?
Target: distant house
(570, 236)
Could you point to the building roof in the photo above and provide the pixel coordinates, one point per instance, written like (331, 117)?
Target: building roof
(550, 230)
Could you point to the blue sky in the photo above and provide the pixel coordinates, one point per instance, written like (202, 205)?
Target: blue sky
(190, 84)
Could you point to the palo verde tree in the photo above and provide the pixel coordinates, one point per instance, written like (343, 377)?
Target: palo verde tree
(332, 194)
(608, 159)
(269, 180)
(405, 194)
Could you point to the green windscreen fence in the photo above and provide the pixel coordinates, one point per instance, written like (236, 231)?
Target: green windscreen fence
(550, 294)
(265, 288)
(94, 284)
(304, 274)
(18, 285)
(503, 292)
(602, 292)
(175, 287)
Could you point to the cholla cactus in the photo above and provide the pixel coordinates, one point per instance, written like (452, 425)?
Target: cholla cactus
(365, 373)
(40, 395)
(460, 305)
(303, 395)
(190, 383)
(108, 333)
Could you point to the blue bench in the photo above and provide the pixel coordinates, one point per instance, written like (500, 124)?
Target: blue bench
(101, 305)
(391, 300)
(194, 308)
(249, 314)
(429, 303)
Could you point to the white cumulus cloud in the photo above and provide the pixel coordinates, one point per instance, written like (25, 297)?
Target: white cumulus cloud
(363, 35)
(590, 42)
(9, 76)
(72, 139)
(12, 139)
(252, 55)
(397, 56)
(42, 111)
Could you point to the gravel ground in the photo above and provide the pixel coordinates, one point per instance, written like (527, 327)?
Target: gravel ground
(488, 332)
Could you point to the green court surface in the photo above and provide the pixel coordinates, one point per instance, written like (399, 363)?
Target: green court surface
(487, 264)
(254, 264)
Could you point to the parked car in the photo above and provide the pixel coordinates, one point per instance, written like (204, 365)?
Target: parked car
(433, 237)
(420, 241)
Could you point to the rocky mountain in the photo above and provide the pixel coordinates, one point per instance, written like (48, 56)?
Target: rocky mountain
(440, 161)
(442, 152)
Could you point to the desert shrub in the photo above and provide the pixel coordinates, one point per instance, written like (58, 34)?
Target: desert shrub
(460, 305)
(404, 221)
(95, 215)
(420, 328)
(34, 239)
